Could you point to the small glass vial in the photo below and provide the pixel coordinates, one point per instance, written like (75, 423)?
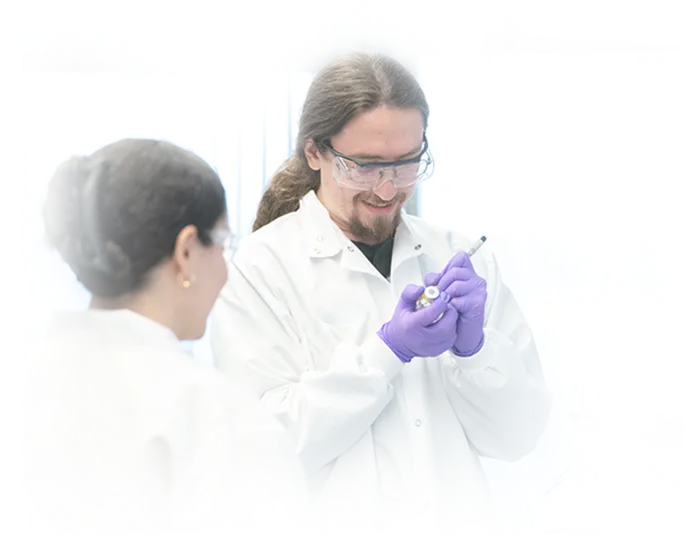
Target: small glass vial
(429, 295)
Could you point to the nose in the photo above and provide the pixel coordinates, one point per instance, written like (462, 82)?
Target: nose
(385, 189)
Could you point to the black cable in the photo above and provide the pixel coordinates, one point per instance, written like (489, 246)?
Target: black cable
(566, 470)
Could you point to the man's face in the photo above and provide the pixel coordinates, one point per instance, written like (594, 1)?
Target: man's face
(379, 135)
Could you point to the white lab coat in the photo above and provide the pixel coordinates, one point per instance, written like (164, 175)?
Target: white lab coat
(124, 431)
(393, 444)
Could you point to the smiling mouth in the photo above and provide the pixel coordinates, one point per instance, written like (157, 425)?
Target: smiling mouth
(379, 206)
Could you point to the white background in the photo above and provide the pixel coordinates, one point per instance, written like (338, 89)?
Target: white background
(557, 130)
(571, 163)
(567, 163)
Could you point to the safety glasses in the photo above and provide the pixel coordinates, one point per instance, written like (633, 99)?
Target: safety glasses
(356, 174)
(224, 238)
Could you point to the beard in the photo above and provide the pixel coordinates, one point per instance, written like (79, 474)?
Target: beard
(380, 228)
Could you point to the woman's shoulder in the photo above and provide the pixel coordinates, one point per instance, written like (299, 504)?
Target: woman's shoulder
(193, 377)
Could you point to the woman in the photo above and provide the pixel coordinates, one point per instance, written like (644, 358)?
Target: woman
(123, 428)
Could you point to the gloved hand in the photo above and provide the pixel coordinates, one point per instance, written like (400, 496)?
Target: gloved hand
(414, 333)
(467, 292)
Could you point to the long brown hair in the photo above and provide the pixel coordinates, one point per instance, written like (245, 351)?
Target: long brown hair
(348, 86)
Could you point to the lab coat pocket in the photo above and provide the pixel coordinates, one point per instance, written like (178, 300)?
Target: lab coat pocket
(343, 312)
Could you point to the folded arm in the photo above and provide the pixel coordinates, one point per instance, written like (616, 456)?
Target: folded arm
(325, 410)
(499, 393)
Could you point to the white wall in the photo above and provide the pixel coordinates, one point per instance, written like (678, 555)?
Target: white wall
(571, 164)
(557, 132)
(244, 132)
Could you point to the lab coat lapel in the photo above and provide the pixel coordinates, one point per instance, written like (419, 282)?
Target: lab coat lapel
(406, 257)
(353, 259)
(324, 239)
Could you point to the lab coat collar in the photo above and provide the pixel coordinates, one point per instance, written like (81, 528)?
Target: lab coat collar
(407, 243)
(322, 236)
(111, 326)
(324, 239)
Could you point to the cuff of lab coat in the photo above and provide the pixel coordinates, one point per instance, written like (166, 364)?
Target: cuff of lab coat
(489, 367)
(377, 355)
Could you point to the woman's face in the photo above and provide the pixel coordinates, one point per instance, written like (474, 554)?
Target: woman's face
(208, 275)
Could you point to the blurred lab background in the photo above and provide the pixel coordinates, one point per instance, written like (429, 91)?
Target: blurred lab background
(544, 155)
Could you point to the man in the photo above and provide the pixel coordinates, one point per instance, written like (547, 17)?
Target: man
(389, 406)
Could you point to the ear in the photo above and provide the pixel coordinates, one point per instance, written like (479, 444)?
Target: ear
(313, 155)
(186, 241)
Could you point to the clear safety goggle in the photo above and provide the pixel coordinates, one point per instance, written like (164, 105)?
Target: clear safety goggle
(224, 238)
(356, 174)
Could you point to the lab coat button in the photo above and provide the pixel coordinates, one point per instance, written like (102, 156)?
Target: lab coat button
(418, 247)
(418, 422)
(319, 239)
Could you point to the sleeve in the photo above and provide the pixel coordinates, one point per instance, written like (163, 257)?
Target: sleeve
(324, 410)
(499, 394)
(270, 457)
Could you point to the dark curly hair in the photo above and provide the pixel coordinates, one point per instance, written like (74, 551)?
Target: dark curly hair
(149, 191)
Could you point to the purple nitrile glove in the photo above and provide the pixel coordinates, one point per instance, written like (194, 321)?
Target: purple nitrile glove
(468, 293)
(414, 333)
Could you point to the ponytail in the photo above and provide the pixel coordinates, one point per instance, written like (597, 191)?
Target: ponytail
(288, 186)
(345, 88)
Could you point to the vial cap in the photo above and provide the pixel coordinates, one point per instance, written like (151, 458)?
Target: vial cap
(431, 292)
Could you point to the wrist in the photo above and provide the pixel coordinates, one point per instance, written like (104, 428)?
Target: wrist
(466, 351)
(400, 351)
